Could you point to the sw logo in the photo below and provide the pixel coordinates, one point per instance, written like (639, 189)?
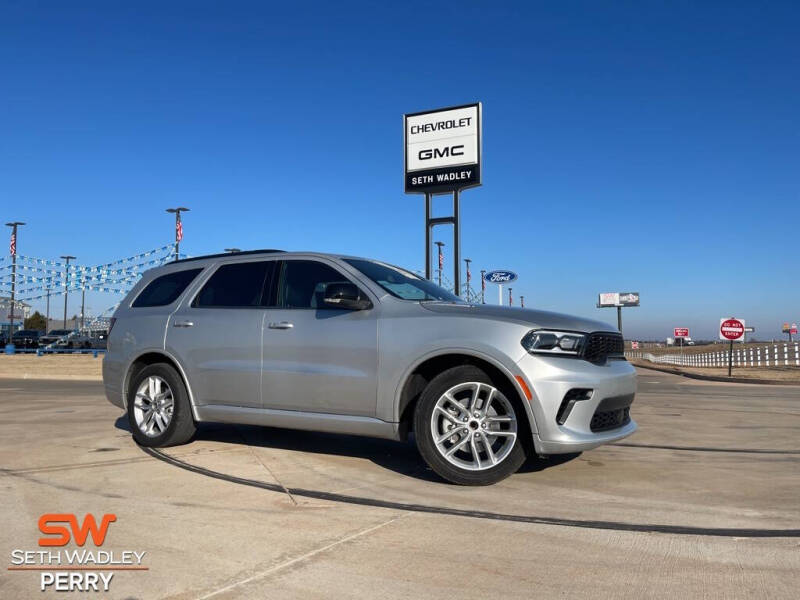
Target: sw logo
(48, 526)
(74, 569)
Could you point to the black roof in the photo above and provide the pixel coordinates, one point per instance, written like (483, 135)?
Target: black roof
(240, 253)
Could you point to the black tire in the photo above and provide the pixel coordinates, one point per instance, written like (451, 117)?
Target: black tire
(424, 436)
(181, 426)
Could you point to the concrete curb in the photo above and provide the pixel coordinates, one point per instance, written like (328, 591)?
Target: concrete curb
(715, 377)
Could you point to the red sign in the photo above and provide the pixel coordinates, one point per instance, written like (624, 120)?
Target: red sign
(793, 330)
(634, 345)
(731, 329)
(681, 332)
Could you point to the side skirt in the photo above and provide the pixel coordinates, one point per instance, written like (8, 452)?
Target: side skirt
(294, 419)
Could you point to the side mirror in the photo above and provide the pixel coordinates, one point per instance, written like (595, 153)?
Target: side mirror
(345, 295)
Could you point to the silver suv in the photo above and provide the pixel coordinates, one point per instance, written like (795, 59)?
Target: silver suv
(350, 345)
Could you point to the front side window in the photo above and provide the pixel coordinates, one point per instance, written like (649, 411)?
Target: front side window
(303, 283)
(236, 285)
(166, 289)
(401, 283)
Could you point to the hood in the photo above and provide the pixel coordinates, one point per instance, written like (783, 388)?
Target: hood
(540, 319)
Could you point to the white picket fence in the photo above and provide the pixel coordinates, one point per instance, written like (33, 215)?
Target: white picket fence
(769, 355)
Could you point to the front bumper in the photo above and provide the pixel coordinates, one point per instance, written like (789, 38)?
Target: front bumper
(550, 378)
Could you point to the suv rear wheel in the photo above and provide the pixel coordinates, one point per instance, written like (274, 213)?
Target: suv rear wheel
(159, 412)
(467, 429)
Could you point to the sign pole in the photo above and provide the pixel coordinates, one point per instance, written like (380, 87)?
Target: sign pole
(427, 235)
(456, 243)
(730, 358)
(500, 294)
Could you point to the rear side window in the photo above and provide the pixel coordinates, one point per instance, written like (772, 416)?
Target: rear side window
(235, 286)
(165, 290)
(303, 283)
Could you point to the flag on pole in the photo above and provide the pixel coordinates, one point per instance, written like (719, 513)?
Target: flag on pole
(469, 275)
(441, 259)
(510, 298)
(178, 228)
(12, 247)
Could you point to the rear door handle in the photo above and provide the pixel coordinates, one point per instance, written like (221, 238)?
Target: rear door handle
(281, 325)
(183, 324)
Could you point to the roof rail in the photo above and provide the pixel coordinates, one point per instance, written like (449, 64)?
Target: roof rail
(239, 253)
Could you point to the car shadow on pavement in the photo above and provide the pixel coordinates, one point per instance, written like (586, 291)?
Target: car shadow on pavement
(399, 457)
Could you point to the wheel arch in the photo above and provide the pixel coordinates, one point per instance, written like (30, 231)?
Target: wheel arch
(152, 357)
(427, 367)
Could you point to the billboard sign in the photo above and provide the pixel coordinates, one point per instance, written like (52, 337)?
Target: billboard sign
(785, 328)
(618, 299)
(681, 332)
(731, 329)
(500, 277)
(443, 149)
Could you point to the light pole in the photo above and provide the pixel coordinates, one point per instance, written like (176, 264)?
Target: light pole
(66, 286)
(178, 228)
(441, 261)
(83, 304)
(483, 286)
(13, 249)
(47, 318)
(469, 277)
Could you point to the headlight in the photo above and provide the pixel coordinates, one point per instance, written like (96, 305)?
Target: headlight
(554, 342)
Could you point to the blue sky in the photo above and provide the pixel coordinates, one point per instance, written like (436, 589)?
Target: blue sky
(651, 147)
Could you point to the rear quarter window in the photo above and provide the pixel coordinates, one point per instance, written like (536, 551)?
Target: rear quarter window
(166, 289)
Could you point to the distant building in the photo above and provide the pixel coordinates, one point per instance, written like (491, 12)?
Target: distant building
(22, 311)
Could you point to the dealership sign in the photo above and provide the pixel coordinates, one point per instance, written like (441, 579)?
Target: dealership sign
(500, 277)
(681, 332)
(443, 149)
(731, 329)
(618, 299)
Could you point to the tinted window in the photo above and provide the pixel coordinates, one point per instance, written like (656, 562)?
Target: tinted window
(165, 289)
(303, 283)
(235, 285)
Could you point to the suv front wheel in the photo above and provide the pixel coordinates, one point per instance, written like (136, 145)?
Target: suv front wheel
(159, 412)
(467, 429)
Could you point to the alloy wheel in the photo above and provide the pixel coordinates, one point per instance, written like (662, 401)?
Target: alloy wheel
(474, 426)
(153, 406)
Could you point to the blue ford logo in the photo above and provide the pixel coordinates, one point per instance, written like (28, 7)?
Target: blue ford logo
(500, 276)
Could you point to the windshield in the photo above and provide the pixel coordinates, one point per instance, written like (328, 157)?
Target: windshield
(401, 283)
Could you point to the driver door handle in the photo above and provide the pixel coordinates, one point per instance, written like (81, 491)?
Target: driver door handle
(183, 324)
(281, 325)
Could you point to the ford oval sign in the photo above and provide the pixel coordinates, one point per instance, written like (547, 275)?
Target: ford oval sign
(500, 277)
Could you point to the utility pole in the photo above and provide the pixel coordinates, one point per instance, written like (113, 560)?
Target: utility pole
(483, 286)
(66, 286)
(13, 249)
(178, 228)
(441, 262)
